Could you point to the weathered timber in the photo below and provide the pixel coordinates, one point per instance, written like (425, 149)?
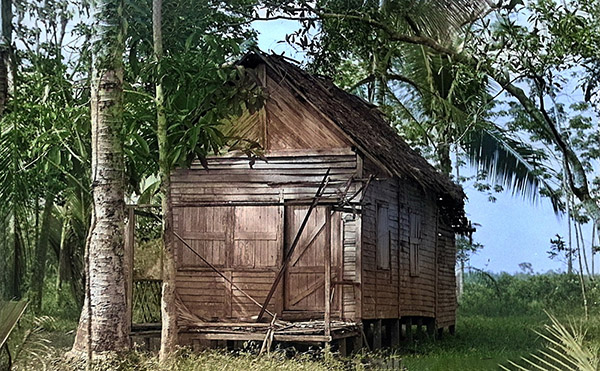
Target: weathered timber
(289, 253)
(378, 240)
(263, 308)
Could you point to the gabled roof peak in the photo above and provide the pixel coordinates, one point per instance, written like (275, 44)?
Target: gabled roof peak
(363, 122)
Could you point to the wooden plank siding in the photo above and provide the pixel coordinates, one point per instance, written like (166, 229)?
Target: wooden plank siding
(292, 123)
(350, 267)
(379, 286)
(446, 301)
(426, 290)
(246, 242)
(236, 213)
(232, 179)
(418, 291)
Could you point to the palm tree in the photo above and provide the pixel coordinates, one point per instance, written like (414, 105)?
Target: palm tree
(103, 325)
(434, 104)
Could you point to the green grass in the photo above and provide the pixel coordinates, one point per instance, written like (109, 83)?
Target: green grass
(496, 324)
(480, 343)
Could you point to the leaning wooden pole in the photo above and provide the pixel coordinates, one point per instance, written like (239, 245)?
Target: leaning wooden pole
(327, 316)
(288, 255)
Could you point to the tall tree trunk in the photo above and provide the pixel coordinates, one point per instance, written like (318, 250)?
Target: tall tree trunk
(443, 155)
(593, 247)
(570, 245)
(585, 259)
(5, 51)
(168, 305)
(17, 263)
(62, 272)
(580, 274)
(460, 282)
(16, 268)
(41, 253)
(103, 326)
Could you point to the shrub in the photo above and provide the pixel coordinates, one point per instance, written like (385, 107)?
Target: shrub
(503, 294)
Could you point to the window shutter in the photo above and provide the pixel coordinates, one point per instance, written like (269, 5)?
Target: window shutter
(383, 237)
(415, 243)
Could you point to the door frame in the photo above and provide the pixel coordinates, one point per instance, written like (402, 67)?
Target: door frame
(335, 244)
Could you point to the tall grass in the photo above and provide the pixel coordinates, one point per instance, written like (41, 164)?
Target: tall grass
(501, 320)
(565, 348)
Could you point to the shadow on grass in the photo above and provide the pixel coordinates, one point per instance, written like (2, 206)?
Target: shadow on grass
(480, 343)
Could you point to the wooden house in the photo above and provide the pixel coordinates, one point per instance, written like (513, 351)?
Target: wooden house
(376, 253)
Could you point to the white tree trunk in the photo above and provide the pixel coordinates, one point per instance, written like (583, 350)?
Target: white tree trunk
(105, 302)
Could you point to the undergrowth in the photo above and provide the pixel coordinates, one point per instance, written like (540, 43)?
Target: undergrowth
(500, 320)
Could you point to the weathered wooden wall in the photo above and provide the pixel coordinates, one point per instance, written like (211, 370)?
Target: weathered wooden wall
(416, 279)
(418, 289)
(246, 242)
(380, 286)
(446, 300)
(246, 250)
(351, 294)
(420, 281)
(287, 122)
(294, 124)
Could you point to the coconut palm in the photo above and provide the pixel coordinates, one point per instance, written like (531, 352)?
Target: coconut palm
(435, 103)
(103, 325)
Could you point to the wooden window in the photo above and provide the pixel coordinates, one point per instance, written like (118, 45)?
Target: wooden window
(415, 243)
(383, 237)
(242, 236)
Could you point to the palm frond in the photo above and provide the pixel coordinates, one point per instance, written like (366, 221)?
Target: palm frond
(511, 163)
(565, 349)
(442, 19)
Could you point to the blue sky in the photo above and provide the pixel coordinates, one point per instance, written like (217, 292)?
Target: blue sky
(512, 230)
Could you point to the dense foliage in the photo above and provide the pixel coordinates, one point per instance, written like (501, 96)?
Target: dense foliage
(45, 128)
(505, 295)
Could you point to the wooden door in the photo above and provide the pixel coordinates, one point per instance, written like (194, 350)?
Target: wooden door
(305, 275)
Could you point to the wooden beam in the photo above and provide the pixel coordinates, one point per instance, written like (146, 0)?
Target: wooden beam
(357, 342)
(261, 336)
(308, 290)
(288, 255)
(377, 334)
(309, 242)
(129, 245)
(419, 328)
(431, 327)
(328, 274)
(231, 324)
(409, 333)
(359, 270)
(394, 333)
